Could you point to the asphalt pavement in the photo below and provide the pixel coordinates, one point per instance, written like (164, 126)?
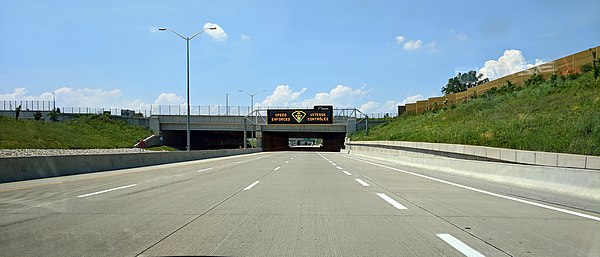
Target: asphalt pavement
(284, 204)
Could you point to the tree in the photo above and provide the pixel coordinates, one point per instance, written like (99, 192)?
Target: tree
(595, 63)
(463, 81)
(17, 112)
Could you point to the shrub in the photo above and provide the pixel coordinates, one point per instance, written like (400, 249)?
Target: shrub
(53, 115)
(534, 79)
(37, 115)
(588, 67)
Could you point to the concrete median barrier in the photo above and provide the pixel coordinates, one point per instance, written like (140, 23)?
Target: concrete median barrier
(571, 179)
(25, 168)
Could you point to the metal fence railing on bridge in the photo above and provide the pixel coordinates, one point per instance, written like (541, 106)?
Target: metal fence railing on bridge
(215, 110)
(11, 105)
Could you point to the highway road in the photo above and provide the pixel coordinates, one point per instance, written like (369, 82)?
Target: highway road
(283, 204)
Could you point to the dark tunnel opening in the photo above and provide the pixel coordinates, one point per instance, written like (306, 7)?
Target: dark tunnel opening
(270, 141)
(280, 141)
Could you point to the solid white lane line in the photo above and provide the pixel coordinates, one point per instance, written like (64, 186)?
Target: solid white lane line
(277, 168)
(391, 201)
(107, 190)
(583, 215)
(204, 169)
(339, 168)
(347, 173)
(360, 181)
(460, 246)
(251, 185)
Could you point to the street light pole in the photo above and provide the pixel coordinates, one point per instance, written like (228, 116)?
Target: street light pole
(227, 104)
(187, 40)
(252, 108)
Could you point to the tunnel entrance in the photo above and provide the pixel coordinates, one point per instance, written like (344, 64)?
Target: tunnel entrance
(205, 140)
(299, 141)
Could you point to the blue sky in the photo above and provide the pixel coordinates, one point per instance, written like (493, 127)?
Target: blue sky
(372, 55)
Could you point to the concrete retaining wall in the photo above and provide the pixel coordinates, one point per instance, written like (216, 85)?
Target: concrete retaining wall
(578, 182)
(24, 168)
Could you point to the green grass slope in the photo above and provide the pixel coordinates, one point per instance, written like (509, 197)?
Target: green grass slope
(560, 115)
(89, 131)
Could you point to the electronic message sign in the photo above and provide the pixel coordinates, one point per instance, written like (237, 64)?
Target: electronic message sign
(317, 115)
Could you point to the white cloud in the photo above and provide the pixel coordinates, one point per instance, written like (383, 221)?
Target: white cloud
(370, 106)
(339, 96)
(282, 96)
(400, 39)
(411, 45)
(245, 37)
(390, 106)
(88, 97)
(510, 62)
(91, 98)
(460, 36)
(411, 99)
(415, 44)
(216, 34)
(169, 99)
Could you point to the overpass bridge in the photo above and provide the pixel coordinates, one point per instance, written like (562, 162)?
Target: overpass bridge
(212, 131)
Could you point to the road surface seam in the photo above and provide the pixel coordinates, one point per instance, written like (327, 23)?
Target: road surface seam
(199, 216)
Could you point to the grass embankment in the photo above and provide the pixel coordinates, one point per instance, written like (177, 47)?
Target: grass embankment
(83, 132)
(162, 148)
(561, 115)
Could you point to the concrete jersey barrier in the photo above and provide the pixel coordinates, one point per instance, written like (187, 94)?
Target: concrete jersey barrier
(484, 153)
(24, 168)
(579, 182)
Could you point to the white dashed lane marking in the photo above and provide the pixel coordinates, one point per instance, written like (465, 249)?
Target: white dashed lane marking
(579, 214)
(251, 185)
(460, 246)
(391, 201)
(107, 190)
(360, 181)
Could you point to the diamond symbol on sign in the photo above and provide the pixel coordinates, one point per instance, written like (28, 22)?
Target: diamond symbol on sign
(298, 115)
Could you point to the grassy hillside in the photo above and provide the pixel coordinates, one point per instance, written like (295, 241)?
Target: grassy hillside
(90, 131)
(560, 115)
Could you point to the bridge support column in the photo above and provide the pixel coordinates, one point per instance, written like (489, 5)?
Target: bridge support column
(259, 136)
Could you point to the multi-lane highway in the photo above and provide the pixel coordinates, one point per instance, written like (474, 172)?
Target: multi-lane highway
(283, 204)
